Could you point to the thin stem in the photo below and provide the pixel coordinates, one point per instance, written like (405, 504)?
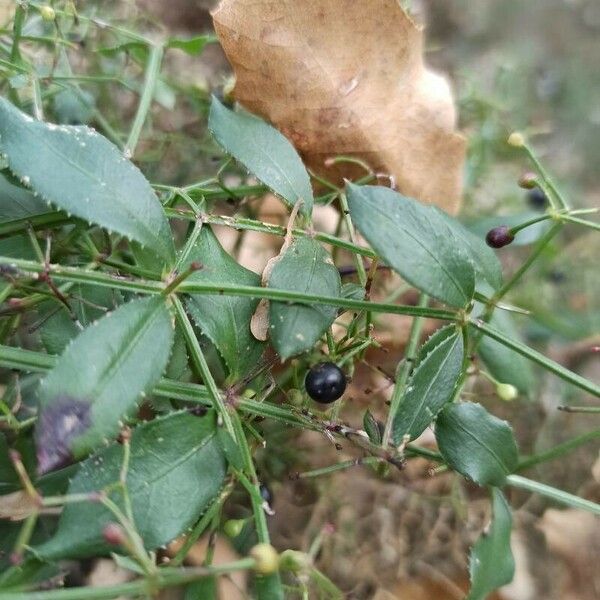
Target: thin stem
(267, 586)
(555, 494)
(152, 71)
(367, 460)
(360, 268)
(404, 370)
(537, 357)
(583, 222)
(558, 451)
(546, 179)
(36, 362)
(516, 276)
(80, 275)
(580, 409)
(164, 578)
(199, 361)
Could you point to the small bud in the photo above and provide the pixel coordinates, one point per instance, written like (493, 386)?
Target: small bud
(499, 237)
(528, 181)
(292, 560)
(266, 557)
(507, 392)
(233, 527)
(114, 535)
(516, 140)
(47, 13)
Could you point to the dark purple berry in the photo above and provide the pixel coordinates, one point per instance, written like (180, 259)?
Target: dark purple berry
(325, 383)
(499, 237)
(537, 199)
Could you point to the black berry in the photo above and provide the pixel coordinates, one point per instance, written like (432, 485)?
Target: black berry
(325, 383)
(265, 493)
(536, 198)
(499, 237)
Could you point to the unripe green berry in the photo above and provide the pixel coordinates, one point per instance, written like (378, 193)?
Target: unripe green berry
(233, 527)
(294, 561)
(506, 391)
(516, 140)
(47, 13)
(266, 557)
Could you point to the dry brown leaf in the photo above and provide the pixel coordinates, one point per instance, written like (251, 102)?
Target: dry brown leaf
(17, 506)
(347, 77)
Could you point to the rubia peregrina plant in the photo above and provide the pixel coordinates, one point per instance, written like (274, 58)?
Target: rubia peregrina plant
(142, 388)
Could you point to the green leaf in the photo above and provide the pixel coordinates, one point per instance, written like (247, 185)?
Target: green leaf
(17, 246)
(304, 267)
(430, 387)
(372, 428)
(99, 380)
(353, 291)
(82, 173)
(225, 320)
(263, 151)
(477, 444)
(175, 470)
(192, 46)
(88, 303)
(491, 563)
(484, 259)
(17, 203)
(416, 241)
(506, 365)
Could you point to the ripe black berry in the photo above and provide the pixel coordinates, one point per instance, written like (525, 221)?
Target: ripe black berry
(536, 198)
(265, 493)
(499, 237)
(325, 383)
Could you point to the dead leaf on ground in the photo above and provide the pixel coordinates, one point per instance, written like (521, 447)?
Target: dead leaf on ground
(341, 77)
(17, 506)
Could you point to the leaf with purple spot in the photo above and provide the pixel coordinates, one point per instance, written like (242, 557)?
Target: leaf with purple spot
(99, 380)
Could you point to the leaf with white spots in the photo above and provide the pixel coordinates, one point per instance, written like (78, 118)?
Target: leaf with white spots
(79, 171)
(303, 267)
(431, 384)
(176, 468)
(99, 380)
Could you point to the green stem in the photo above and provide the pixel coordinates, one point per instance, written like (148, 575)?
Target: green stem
(404, 371)
(555, 494)
(164, 578)
(79, 275)
(367, 460)
(267, 586)
(558, 451)
(360, 268)
(516, 276)
(242, 223)
(514, 230)
(546, 179)
(199, 361)
(537, 357)
(584, 222)
(37, 362)
(19, 19)
(152, 71)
